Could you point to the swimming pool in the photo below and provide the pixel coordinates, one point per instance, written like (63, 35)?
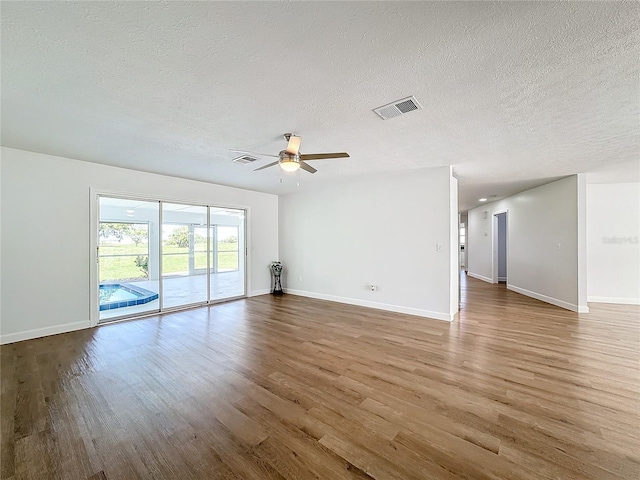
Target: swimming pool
(119, 295)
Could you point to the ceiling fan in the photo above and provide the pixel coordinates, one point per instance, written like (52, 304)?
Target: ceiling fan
(290, 159)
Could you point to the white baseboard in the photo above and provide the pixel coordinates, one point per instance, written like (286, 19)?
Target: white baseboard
(480, 277)
(379, 306)
(43, 332)
(618, 300)
(502, 279)
(255, 293)
(551, 300)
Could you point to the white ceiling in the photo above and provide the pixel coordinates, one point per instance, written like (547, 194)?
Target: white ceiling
(513, 94)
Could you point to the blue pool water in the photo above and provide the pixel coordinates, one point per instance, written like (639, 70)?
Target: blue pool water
(119, 295)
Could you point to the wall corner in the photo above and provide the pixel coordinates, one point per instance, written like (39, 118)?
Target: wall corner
(581, 187)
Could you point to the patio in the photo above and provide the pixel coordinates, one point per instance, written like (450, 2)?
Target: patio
(183, 290)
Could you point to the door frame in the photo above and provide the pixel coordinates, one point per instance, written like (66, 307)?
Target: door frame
(94, 222)
(494, 243)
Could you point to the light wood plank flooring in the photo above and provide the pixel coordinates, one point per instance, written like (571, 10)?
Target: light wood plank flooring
(295, 388)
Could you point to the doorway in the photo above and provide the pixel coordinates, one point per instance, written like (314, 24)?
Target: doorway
(156, 256)
(500, 246)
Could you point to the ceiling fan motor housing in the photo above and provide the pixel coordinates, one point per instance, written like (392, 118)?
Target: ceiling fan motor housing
(289, 162)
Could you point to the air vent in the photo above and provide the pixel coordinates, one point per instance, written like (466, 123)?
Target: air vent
(397, 108)
(245, 159)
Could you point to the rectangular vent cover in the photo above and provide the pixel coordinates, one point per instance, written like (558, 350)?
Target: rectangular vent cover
(397, 108)
(244, 159)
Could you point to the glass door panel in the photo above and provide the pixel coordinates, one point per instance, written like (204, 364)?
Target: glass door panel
(226, 255)
(128, 269)
(184, 240)
(201, 243)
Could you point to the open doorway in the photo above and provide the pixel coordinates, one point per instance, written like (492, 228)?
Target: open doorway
(500, 245)
(463, 245)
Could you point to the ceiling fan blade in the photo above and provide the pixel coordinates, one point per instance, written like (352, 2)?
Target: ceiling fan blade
(253, 153)
(267, 166)
(307, 167)
(322, 156)
(293, 145)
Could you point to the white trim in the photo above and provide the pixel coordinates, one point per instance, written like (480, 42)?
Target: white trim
(162, 198)
(161, 257)
(259, 292)
(447, 317)
(551, 300)
(494, 248)
(581, 234)
(480, 277)
(94, 219)
(618, 300)
(43, 332)
(502, 279)
(246, 253)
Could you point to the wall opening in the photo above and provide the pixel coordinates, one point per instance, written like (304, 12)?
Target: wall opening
(500, 241)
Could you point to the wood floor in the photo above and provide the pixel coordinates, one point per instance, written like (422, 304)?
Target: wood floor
(295, 388)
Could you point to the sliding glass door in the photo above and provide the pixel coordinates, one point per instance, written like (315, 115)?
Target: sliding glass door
(155, 256)
(184, 274)
(226, 257)
(127, 247)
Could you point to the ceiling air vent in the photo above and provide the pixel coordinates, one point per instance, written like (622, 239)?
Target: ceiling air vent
(397, 108)
(245, 159)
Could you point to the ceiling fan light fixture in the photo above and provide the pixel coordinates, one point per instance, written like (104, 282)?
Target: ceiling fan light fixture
(289, 165)
(289, 162)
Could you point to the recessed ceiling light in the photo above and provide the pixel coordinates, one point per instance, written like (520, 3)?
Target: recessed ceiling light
(482, 199)
(129, 211)
(130, 215)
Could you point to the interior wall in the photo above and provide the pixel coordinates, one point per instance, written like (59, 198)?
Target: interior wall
(543, 251)
(396, 232)
(613, 245)
(47, 235)
(0, 245)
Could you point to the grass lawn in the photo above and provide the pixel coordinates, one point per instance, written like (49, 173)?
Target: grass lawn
(174, 259)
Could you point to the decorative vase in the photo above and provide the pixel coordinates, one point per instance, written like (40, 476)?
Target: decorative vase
(276, 272)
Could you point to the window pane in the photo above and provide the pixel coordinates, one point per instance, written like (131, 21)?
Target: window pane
(128, 280)
(184, 241)
(227, 253)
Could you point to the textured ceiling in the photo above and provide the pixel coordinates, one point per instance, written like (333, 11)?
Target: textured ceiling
(513, 94)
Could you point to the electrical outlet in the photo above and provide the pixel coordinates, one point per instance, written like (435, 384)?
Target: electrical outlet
(300, 278)
(373, 288)
(439, 247)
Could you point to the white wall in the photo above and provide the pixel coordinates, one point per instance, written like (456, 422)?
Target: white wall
(0, 245)
(47, 246)
(380, 230)
(543, 254)
(613, 248)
